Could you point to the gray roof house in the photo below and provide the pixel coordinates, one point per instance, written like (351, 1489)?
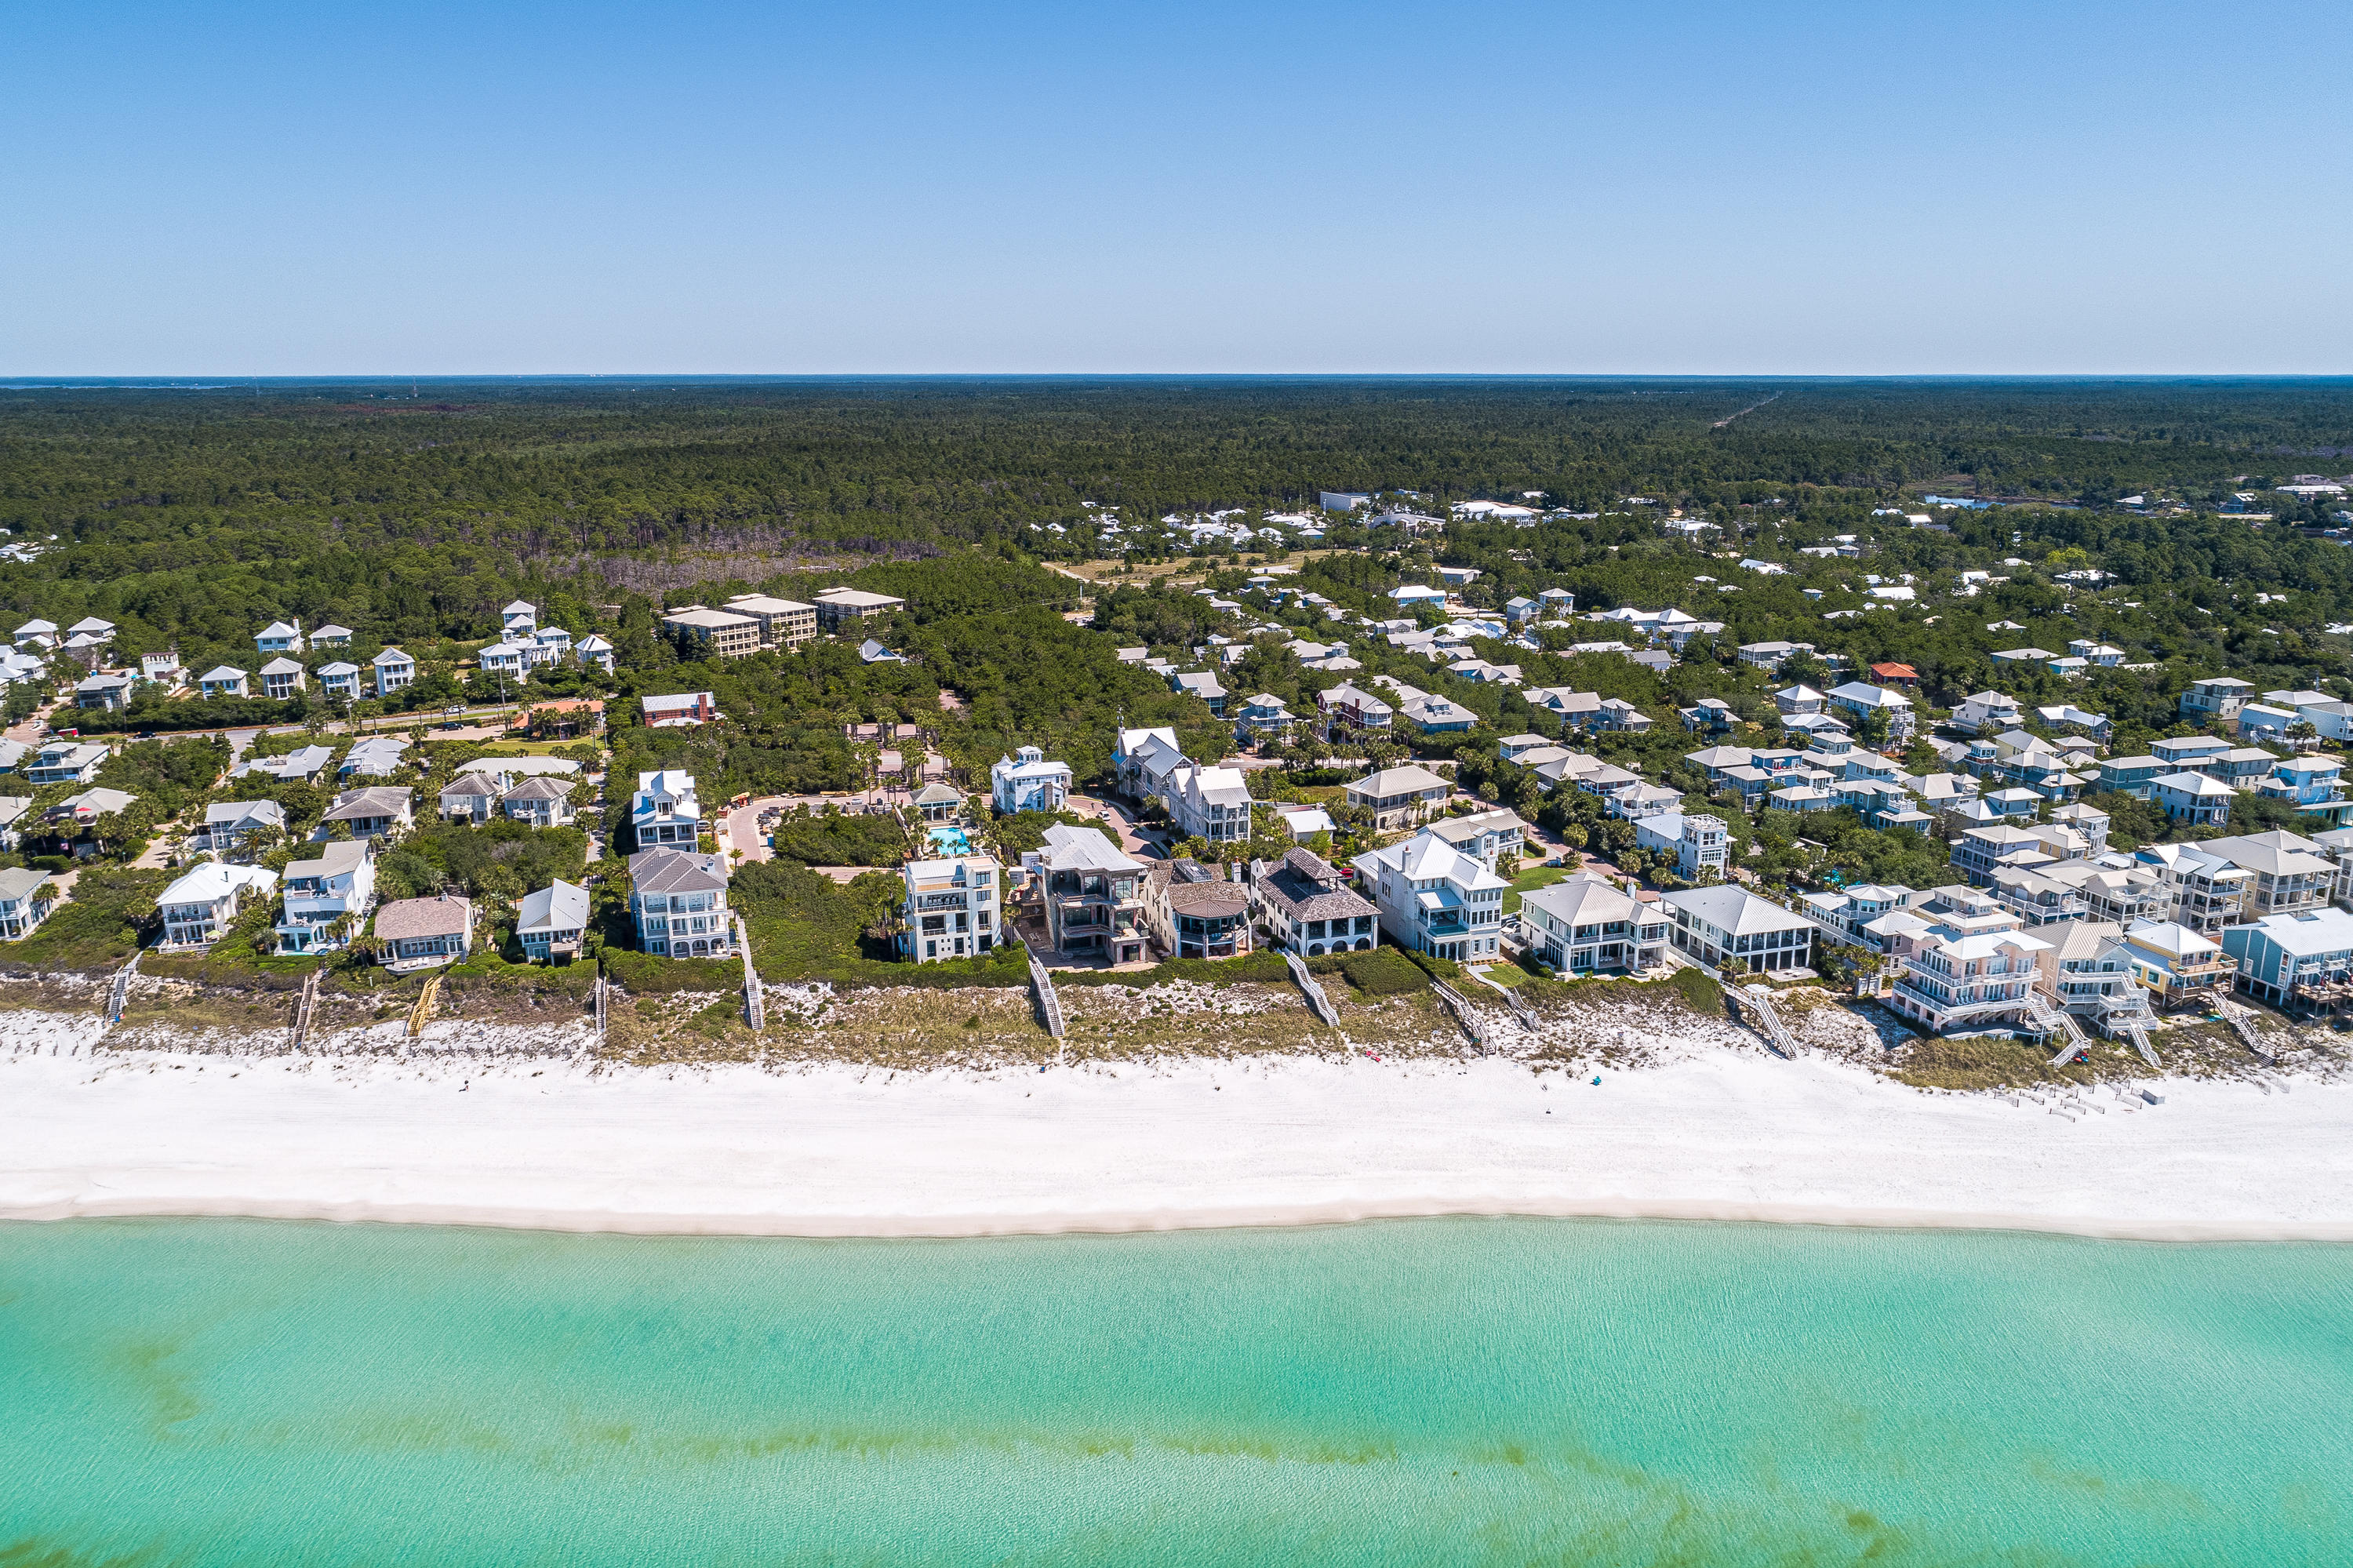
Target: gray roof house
(549, 922)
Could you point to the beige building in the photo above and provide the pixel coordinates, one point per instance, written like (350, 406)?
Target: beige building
(721, 632)
(784, 623)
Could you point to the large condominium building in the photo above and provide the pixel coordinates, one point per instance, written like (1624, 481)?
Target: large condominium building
(952, 908)
(722, 632)
(1434, 898)
(784, 623)
(835, 606)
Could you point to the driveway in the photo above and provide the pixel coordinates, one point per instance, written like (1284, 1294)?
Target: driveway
(1149, 842)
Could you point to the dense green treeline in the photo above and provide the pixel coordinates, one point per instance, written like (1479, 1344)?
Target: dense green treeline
(188, 514)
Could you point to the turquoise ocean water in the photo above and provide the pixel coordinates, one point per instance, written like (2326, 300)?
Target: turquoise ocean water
(215, 1393)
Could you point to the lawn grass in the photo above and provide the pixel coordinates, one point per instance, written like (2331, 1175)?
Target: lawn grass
(1530, 880)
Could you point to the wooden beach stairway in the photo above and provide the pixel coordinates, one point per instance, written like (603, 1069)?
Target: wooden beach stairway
(2243, 1025)
(1050, 1006)
(1757, 1003)
(1463, 1014)
(1520, 1010)
(755, 1003)
(1317, 1000)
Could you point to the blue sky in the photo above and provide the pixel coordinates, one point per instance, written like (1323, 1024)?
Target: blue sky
(1801, 188)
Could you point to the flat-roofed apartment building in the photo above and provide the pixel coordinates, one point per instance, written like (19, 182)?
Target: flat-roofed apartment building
(721, 631)
(836, 605)
(785, 624)
(951, 908)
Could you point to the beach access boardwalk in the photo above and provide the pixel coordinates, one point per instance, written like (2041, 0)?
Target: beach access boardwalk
(1756, 1002)
(1317, 1002)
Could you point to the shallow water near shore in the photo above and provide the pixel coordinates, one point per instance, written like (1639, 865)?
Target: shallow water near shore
(226, 1392)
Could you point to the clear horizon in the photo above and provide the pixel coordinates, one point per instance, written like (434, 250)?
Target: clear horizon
(1826, 189)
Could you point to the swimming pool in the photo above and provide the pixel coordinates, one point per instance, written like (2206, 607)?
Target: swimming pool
(950, 840)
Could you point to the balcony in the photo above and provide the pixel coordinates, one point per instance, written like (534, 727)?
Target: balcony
(1956, 1009)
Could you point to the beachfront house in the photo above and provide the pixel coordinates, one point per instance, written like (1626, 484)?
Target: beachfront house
(1028, 782)
(677, 899)
(416, 934)
(2288, 960)
(1435, 899)
(197, 909)
(1587, 926)
(951, 908)
(323, 901)
(1095, 899)
(1309, 908)
(549, 922)
(1723, 923)
(1194, 911)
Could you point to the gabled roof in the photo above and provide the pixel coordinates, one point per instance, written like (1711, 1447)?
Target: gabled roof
(281, 667)
(558, 906)
(1388, 781)
(542, 788)
(471, 784)
(220, 673)
(277, 628)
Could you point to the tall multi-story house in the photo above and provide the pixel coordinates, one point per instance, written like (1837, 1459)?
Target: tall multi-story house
(1986, 713)
(198, 907)
(1486, 836)
(1143, 759)
(1310, 910)
(710, 632)
(393, 670)
(1717, 924)
(1700, 844)
(519, 618)
(2208, 892)
(282, 679)
(1435, 899)
(1949, 977)
(1209, 803)
(666, 811)
(542, 802)
(1028, 782)
(2133, 775)
(678, 899)
(1354, 707)
(377, 811)
(2288, 872)
(785, 624)
(1587, 925)
(2192, 798)
(2188, 751)
(340, 679)
(595, 651)
(338, 887)
(472, 797)
(1197, 913)
(953, 908)
(1093, 898)
(2088, 971)
(229, 825)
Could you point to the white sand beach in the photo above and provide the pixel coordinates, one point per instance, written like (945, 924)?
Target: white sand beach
(838, 1151)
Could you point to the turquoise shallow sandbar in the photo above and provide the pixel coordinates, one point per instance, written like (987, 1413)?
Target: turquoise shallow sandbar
(217, 1392)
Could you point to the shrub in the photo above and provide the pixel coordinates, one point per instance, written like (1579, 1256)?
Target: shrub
(1383, 972)
(1263, 968)
(1699, 993)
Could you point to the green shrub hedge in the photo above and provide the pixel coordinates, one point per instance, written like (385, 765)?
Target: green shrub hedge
(1383, 972)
